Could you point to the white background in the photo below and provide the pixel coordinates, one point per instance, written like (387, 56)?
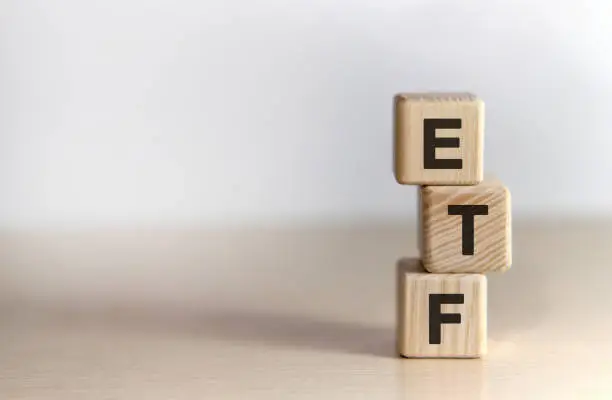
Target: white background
(243, 111)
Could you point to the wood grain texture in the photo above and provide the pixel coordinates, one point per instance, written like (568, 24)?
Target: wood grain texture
(468, 339)
(410, 111)
(441, 235)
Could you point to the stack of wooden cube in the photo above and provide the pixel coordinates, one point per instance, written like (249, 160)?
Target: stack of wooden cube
(464, 225)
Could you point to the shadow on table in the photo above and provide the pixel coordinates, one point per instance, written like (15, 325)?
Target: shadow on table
(298, 331)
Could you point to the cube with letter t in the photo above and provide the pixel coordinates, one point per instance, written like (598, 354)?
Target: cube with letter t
(440, 315)
(466, 228)
(438, 139)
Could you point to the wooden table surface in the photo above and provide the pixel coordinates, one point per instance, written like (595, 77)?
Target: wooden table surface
(289, 314)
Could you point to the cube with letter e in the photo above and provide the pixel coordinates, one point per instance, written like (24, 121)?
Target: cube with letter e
(438, 139)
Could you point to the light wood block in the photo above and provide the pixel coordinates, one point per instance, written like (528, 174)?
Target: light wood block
(466, 229)
(440, 315)
(438, 139)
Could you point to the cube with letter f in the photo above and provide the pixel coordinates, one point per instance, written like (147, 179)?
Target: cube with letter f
(440, 315)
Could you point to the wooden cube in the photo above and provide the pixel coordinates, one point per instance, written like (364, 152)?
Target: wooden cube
(440, 315)
(466, 229)
(438, 139)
